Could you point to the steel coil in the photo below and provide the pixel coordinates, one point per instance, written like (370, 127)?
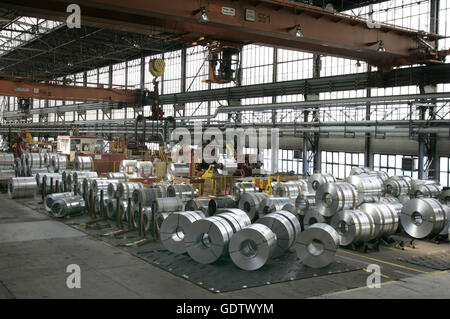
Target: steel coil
(385, 218)
(250, 202)
(144, 169)
(333, 197)
(84, 163)
(283, 230)
(293, 220)
(88, 182)
(59, 162)
(290, 207)
(423, 217)
(207, 239)
(426, 189)
(128, 167)
(146, 196)
(242, 188)
(102, 185)
(124, 210)
(184, 191)
(251, 247)
(147, 219)
(444, 197)
(353, 226)
(316, 246)
(6, 175)
(77, 176)
(197, 204)
(175, 230)
(111, 208)
(6, 160)
(313, 216)
(112, 188)
(22, 187)
(397, 186)
(270, 204)
(49, 199)
(98, 203)
(220, 202)
(67, 206)
(177, 170)
(316, 180)
(125, 189)
(369, 187)
(167, 204)
(117, 176)
(290, 189)
(303, 202)
(160, 218)
(359, 170)
(236, 221)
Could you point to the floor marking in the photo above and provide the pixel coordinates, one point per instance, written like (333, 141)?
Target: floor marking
(387, 262)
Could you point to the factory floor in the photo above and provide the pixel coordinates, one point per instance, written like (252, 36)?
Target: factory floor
(36, 250)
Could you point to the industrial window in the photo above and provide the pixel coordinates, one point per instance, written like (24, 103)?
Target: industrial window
(393, 164)
(339, 164)
(444, 171)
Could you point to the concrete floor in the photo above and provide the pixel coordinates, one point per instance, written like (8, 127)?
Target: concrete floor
(35, 251)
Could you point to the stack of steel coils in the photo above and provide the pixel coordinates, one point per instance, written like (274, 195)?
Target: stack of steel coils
(313, 216)
(146, 196)
(270, 204)
(334, 197)
(316, 246)
(369, 187)
(353, 226)
(385, 218)
(249, 202)
(40, 177)
(22, 187)
(88, 184)
(425, 188)
(317, 179)
(77, 177)
(398, 186)
(84, 163)
(304, 202)
(59, 162)
(99, 185)
(167, 204)
(49, 199)
(120, 176)
(125, 189)
(183, 191)
(241, 188)
(68, 206)
(220, 202)
(290, 189)
(424, 217)
(112, 188)
(197, 204)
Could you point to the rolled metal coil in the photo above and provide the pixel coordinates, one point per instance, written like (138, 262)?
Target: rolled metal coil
(283, 230)
(167, 204)
(207, 239)
(68, 206)
(160, 218)
(316, 246)
(7, 160)
(88, 184)
(125, 211)
(161, 188)
(197, 204)
(5, 175)
(236, 211)
(290, 207)
(48, 159)
(22, 187)
(111, 208)
(59, 162)
(385, 217)
(176, 229)
(40, 178)
(236, 221)
(317, 179)
(250, 202)
(430, 189)
(49, 199)
(17, 167)
(369, 187)
(333, 197)
(177, 170)
(444, 197)
(270, 204)
(80, 175)
(383, 176)
(144, 168)
(125, 189)
(397, 186)
(98, 203)
(35, 160)
(120, 176)
(227, 165)
(251, 247)
(393, 201)
(184, 191)
(102, 185)
(353, 226)
(242, 188)
(220, 202)
(128, 167)
(146, 196)
(147, 219)
(356, 170)
(312, 216)
(84, 163)
(424, 217)
(303, 202)
(290, 189)
(292, 219)
(112, 188)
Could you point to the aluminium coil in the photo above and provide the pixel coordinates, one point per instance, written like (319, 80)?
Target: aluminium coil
(318, 179)
(128, 167)
(48, 159)
(197, 204)
(84, 163)
(147, 219)
(67, 206)
(312, 216)
(304, 202)
(146, 196)
(40, 178)
(316, 246)
(424, 217)
(220, 202)
(397, 186)
(426, 189)
(290, 189)
(283, 230)
(251, 247)
(292, 219)
(176, 229)
(249, 202)
(59, 162)
(112, 188)
(102, 185)
(111, 208)
(167, 204)
(88, 184)
(270, 204)
(236, 221)
(369, 187)
(6, 174)
(356, 170)
(117, 176)
(22, 187)
(34, 171)
(49, 199)
(385, 218)
(353, 226)
(207, 239)
(6, 160)
(125, 189)
(160, 218)
(77, 176)
(184, 191)
(144, 168)
(98, 203)
(333, 197)
(242, 188)
(36, 160)
(124, 210)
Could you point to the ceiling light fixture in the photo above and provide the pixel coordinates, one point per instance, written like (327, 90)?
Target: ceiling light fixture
(203, 17)
(381, 46)
(298, 31)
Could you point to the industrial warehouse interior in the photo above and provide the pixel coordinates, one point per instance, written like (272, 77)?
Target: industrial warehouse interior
(225, 150)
